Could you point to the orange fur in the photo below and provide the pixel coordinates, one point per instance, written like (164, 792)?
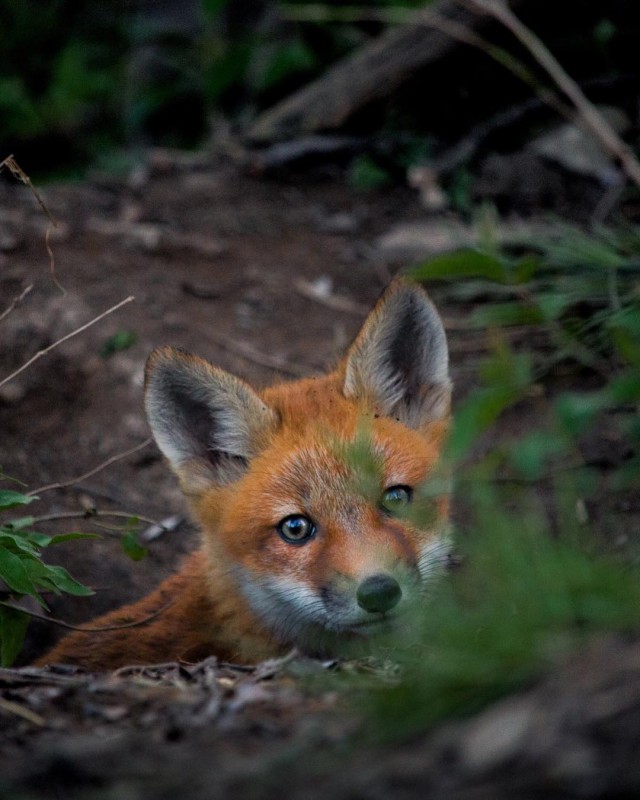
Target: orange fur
(247, 461)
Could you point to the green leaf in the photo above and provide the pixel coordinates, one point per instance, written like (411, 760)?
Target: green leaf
(525, 268)
(132, 546)
(530, 453)
(462, 264)
(475, 415)
(505, 314)
(14, 573)
(553, 304)
(121, 340)
(505, 368)
(576, 412)
(364, 173)
(71, 536)
(226, 65)
(44, 540)
(17, 542)
(11, 499)
(13, 626)
(281, 61)
(17, 524)
(56, 578)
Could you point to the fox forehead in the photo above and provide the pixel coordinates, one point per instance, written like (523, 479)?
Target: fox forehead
(334, 465)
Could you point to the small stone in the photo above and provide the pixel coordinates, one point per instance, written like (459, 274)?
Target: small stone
(496, 736)
(414, 241)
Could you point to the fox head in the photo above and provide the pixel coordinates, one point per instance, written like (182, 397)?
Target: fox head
(314, 496)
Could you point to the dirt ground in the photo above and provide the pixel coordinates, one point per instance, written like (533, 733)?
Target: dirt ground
(219, 263)
(267, 279)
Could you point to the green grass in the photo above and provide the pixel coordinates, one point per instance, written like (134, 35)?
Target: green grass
(538, 578)
(521, 602)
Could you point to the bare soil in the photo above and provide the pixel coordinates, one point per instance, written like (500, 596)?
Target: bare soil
(269, 280)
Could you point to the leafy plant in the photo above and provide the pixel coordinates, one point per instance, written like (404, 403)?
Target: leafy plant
(578, 294)
(535, 583)
(25, 574)
(523, 601)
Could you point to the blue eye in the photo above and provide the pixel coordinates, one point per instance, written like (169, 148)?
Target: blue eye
(296, 529)
(395, 498)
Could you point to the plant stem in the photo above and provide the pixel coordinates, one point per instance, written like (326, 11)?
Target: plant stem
(589, 114)
(91, 472)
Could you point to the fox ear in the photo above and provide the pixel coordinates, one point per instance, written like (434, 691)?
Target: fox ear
(207, 422)
(399, 362)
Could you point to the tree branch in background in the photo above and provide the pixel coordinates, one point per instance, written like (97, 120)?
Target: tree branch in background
(369, 74)
(588, 113)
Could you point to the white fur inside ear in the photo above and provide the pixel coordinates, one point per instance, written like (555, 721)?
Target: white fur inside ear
(399, 362)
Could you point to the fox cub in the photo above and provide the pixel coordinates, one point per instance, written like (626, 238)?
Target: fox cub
(316, 529)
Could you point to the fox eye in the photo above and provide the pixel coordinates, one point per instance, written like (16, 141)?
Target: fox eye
(296, 529)
(395, 498)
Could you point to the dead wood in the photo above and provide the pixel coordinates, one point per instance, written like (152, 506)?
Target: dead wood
(372, 73)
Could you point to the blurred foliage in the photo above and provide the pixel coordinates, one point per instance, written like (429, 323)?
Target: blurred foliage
(121, 340)
(573, 299)
(540, 575)
(82, 81)
(59, 81)
(522, 602)
(365, 173)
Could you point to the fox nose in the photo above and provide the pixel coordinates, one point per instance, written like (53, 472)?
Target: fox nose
(378, 593)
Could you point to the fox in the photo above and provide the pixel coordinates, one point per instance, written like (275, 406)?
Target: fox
(315, 529)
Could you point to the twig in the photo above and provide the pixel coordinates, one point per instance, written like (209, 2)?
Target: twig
(589, 114)
(271, 667)
(20, 711)
(314, 12)
(249, 353)
(48, 349)
(16, 170)
(16, 302)
(52, 258)
(84, 628)
(462, 33)
(93, 512)
(92, 472)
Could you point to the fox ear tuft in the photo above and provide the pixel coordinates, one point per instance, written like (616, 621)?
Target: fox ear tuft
(399, 362)
(206, 422)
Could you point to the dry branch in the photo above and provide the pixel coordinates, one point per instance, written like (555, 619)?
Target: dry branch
(85, 628)
(73, 333)
(16, 170)
(589, 114)
(371, 73)
(249, 353)
(17, 301)
(91, 472)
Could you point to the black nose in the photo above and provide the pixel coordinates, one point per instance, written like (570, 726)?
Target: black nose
(378, 593)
